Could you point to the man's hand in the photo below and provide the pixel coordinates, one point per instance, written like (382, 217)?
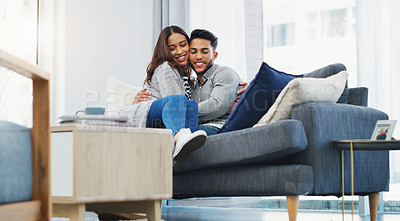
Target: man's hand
(241, 91)
(142, 95)
(239, 95)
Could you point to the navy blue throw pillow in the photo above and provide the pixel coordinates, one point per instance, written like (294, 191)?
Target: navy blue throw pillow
(258, 98)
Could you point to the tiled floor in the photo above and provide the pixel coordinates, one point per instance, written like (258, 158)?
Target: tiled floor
(246, 214)
(254, 209)
(193, 213)
(250, 208)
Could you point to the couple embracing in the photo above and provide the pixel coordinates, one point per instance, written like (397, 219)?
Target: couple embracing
(192, 107)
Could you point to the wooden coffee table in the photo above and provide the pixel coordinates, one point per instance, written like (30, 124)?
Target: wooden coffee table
(109, 169)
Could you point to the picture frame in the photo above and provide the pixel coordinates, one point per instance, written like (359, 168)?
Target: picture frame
(383, 130)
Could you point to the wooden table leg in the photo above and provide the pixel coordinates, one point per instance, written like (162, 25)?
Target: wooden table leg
(75, 212)
(352, 178)
(153, 210)
(342, 184)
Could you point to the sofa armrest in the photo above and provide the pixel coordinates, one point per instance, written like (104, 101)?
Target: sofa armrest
(324, 123)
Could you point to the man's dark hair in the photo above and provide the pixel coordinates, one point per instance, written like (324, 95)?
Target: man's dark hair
(204, 34)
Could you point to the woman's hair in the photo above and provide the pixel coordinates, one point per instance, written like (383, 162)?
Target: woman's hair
(162, 52)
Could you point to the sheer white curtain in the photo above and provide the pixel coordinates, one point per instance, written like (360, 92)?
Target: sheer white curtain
(169, 12)
(378, 52)
(224, 18)
(378, 58)
(18, 36)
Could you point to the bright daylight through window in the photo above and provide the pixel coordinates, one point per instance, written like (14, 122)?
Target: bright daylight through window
(18, 36)
(302, 36)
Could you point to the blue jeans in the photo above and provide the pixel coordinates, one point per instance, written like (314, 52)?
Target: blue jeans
(210, 130)
(173, 112)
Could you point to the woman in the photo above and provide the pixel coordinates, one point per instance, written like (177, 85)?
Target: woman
(169, 106)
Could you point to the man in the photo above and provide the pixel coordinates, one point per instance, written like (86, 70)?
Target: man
(217, 86)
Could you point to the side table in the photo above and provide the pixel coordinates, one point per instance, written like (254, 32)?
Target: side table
(370, 145)
(108, 169)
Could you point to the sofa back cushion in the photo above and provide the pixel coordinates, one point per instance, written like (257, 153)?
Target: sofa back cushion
(358, 96)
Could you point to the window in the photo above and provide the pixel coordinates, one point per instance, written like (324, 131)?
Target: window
(18, 36)
(306, 35)
(325, 33)
(334, 23)
(281, 35)
(312, 26)
(303, 36)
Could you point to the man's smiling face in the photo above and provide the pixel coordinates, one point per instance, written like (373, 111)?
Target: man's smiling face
(201, 55)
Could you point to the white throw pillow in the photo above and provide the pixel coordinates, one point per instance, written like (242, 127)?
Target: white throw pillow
(119, 95)
(305, 90)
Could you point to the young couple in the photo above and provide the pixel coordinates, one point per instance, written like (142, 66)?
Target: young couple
(171, 99)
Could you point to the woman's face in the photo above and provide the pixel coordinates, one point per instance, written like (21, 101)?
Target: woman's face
(179, 48)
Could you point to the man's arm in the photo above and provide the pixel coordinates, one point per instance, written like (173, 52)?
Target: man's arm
(222, 95)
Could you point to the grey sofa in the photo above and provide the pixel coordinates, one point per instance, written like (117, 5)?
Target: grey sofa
(291, 157)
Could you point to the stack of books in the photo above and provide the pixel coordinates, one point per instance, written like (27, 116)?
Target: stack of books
(106, 120)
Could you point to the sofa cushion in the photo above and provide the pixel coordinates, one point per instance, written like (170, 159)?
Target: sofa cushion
(257, 99)
(15, 163)
(246, 180)
(327, 71)
(119, 95)
(267, 144)
(304, 90)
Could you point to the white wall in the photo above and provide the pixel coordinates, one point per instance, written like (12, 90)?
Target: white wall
(93, 39)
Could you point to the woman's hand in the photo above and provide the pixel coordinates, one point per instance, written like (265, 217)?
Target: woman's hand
(142, 95)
